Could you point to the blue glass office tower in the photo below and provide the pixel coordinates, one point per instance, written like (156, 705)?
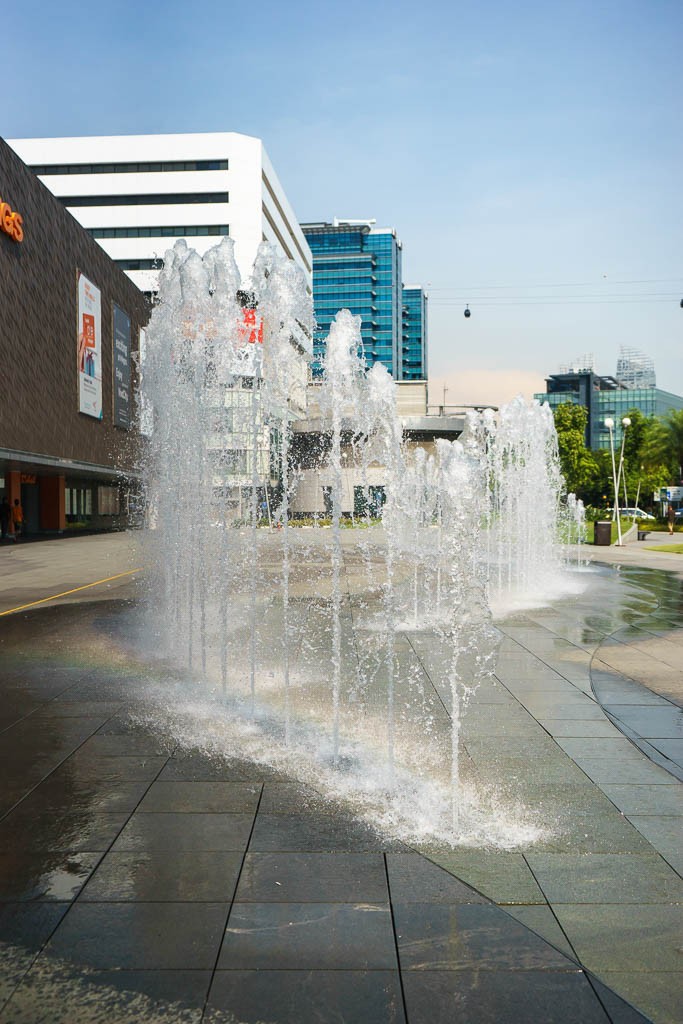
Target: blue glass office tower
(414, 358)
(357, 266)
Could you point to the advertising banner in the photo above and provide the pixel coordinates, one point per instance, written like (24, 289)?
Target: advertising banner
(89, 348)
(122, 411)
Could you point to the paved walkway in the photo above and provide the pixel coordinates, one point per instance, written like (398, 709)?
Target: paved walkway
(145, 881)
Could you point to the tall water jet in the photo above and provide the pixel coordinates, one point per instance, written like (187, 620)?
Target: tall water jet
(261, 612)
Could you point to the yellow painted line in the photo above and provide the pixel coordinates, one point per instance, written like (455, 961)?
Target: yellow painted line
(53, 597)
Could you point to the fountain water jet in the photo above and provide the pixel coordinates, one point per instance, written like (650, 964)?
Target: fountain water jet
(268, 613)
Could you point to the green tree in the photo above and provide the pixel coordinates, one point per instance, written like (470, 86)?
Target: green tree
(663, 445)
(580, 468)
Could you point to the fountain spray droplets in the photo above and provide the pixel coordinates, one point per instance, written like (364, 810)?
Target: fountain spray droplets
(341, 654)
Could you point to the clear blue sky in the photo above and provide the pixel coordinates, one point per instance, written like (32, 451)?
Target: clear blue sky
(512, 145)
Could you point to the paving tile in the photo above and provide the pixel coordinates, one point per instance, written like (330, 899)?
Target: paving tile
(63, 994)
(185, 831)
(315, 833)
(501, 876)
(308, 936)
(504, 997)
(415, 879)
(664, 832)
(657, 993)
(306, 997)
(646, 799)
(201, 797)
(662, 722)
(294, 798)
(626, 937)
(64, 708)
(140, 936)
(577, 831)
(615, 771)
(127, 745)
(670, 748)
(107, 768)
(165, 876)
(313, 878)
(619, 1010)
(24, 928)
(540, 919)
(580, 728)
(21, 831)
(63, 796)
(44, 875)
(599, 747)
(439, 937)
(605, 878)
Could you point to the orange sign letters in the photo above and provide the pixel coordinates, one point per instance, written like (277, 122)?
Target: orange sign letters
(11, 222)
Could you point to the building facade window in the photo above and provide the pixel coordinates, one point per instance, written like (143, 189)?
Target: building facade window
(187, 231)
(167, 199)
(132, 168)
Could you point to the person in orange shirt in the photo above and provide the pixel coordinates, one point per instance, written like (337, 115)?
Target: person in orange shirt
(18, 518)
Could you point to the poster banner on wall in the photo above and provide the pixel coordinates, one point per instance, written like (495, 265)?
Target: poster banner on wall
(89, 348)
(121, 369)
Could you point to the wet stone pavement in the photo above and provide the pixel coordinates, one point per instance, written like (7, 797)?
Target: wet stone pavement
(145, 882)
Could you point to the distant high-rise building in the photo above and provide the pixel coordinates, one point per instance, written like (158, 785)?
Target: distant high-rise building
(357, 266)
(635, 369)
(138, 194)
(605, 398)
(414, 356)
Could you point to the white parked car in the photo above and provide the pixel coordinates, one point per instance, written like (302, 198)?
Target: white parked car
(636, 513)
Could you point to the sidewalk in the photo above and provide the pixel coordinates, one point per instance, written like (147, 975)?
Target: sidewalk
(143, 880)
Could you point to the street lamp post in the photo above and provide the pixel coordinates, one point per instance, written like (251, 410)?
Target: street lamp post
(616, 477)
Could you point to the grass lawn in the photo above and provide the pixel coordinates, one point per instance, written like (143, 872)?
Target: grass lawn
(672, 549)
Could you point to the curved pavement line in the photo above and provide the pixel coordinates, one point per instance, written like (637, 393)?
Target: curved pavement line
(65, 593)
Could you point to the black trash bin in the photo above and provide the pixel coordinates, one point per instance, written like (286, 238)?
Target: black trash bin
(603, 534)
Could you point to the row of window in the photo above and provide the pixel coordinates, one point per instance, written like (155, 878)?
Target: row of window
(174, 198)
(131, 168)
(161, 232)
(155, 264)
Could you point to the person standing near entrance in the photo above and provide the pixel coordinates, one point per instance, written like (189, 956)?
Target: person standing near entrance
(671, 519)
(5, 516)
(18, 519)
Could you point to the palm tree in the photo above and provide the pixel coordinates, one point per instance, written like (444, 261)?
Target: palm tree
(663, 443)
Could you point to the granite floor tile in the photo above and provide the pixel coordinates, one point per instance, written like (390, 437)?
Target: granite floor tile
(294, 798)
(62, 796)
(65, 994)
(314, 833)
(578, 728)
(308, 936)
(658, 994)
(44, 875)
(439, 937)
(662, 722)
(185, 831)
(201, 797)
(306, 997)
(664, 832)
(140, 936)
(605, 878)
(620, 1011)
(165, 876)
(126, 745)
(415, 879)
(24, 928)
(21, 831)
(647, 799)
(505, 997)
(615, 771)
(108, 768)
(504, 877)
(540, 919)
(623, 937)
(599, 747)
(313, 878)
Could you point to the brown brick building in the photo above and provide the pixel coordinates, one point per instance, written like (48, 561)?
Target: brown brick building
(70, 322)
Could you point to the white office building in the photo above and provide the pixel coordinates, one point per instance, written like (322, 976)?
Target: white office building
(138, 194)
